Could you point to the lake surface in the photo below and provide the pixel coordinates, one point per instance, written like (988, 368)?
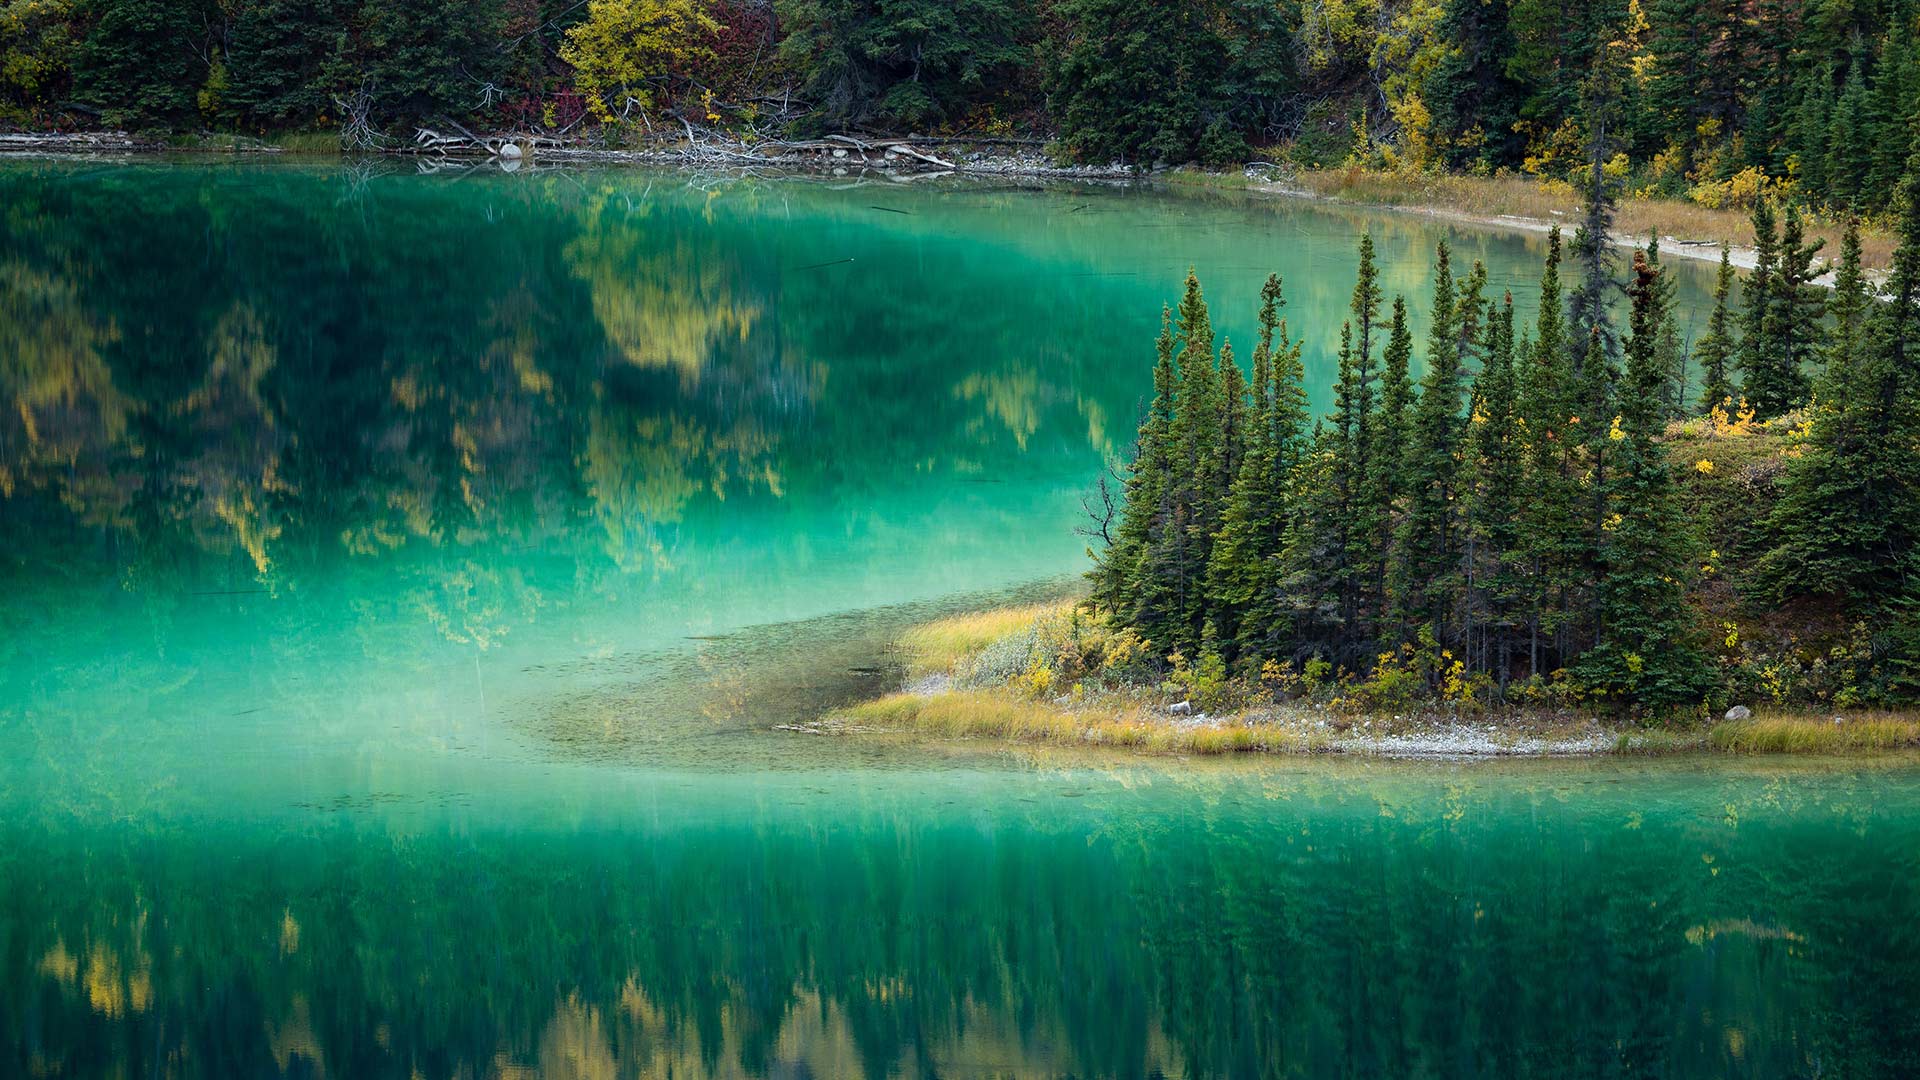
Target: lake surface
(405, 577)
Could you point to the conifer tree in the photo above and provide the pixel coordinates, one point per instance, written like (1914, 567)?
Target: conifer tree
(1790, 326)
(1365, 304)
(1551, 518)
(1593, 241)
(1426, 567)
(1177, 558)
(1642, 651)
(1225, 452)
(1849, 512)
(1495, 501)
(1757, 355)
(1672, 356)
(1117, 573)
(1716, 348)
(1396, 394)
(1386, 485)
(1593, 427)
(1244, 578)
(1849, 308)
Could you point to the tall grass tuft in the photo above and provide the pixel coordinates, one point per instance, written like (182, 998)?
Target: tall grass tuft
(988, 714)
(1801, 735)
(939, 645)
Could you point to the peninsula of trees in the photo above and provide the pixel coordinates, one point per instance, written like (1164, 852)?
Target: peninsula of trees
(1518, 523)
(1717, 100)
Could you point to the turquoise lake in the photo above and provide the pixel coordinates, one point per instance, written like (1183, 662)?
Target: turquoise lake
(407, 576)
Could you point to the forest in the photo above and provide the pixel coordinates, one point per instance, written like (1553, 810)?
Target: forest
(1716, 101)
(1521, 522)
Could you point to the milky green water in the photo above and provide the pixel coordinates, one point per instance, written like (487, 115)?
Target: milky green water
(405, 576)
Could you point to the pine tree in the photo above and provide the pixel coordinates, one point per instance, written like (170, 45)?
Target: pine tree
(1716, 348)
(1365, 305)
(1642, 653)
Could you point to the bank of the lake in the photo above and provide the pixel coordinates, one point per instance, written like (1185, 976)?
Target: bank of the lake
(1511, 202)
(992, 675)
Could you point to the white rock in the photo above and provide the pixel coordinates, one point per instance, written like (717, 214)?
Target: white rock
(1739, 712)
(509, 150)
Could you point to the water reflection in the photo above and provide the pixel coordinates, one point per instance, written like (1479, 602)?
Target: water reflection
(1330, 922)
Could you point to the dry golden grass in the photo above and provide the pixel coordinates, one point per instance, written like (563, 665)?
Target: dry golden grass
(1493, 197)
(993, 714)
(1811, 735)
(942, 643)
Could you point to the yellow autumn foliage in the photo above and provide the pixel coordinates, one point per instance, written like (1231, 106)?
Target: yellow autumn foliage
(624, 49)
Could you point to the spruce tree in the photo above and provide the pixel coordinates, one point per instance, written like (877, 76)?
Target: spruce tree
(1849, 307)
(1426, 567)
(1396, 395)
(1642, 653)
(1671, 354)
(1365, 451)
(1593, 426)
(1117, 573)
(1244, 578)
(1386, 485)
(1716, 348)
(1495, 501)
(1226, 453)
(1758, 356)
(1593, 241)
(1550, 536)
(1178, 559)
(1790, 325)
(1849, 513)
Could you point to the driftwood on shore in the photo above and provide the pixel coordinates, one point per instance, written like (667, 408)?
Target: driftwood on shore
(692, 145)
(77, 142)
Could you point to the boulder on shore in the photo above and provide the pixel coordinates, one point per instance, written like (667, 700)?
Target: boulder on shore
(1739, 712)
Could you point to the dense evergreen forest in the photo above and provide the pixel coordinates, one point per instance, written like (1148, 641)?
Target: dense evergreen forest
(1717, 100)
(1519, 522)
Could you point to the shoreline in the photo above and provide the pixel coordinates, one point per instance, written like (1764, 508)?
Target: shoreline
(959, 687)
(912, 159)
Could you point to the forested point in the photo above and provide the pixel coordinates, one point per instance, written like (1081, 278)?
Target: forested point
(1553, 514)
(1717, 101)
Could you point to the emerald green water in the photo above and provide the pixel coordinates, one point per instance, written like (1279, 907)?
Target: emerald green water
(405, 578)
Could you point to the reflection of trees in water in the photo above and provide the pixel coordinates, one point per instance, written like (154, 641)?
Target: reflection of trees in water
(269, 380)
(1349, 926)
(280, 381)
